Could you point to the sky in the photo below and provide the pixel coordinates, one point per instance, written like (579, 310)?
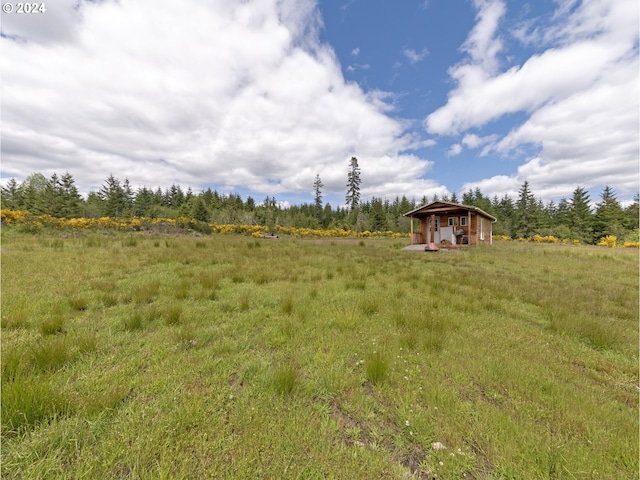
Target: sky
(257, 97)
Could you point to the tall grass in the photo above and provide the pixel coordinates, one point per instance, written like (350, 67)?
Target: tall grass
(316, 359)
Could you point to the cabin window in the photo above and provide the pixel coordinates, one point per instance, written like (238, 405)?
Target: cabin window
(453, 221)
(437, 224)
(463, 221)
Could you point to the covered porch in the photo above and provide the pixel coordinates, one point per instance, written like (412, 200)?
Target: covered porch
(450, 224)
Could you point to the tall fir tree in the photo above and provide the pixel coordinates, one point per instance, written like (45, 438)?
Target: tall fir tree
(11, 197)
(525, 216)
(71, 200)
(353, 184)
(580, 218)
(632, 215)
(317, 189)
(113, 196)
(609, 217)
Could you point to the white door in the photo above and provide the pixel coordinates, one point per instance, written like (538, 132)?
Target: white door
(446, 233)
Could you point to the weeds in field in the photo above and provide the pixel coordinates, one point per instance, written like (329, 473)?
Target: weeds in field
(49, 355)
(377, 367)
(172, 314)
(285, 379)
(28, 402)
(145, 293)
(79, 303)
(51, 326)
(133, 321)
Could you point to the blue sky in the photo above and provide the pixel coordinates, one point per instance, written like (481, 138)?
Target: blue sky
(258, 97)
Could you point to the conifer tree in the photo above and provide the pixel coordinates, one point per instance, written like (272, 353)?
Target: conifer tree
(609, 217)
(71, 200)
(317, 188)
(579, 216)
(526, 220)
(11, 195)
(353, 184)
(113, 196)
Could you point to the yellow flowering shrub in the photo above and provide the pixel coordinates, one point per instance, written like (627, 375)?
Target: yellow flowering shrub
(14, 216)
(608, 241)
(35, 223)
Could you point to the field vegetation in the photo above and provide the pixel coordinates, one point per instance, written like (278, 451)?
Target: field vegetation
(134, 355)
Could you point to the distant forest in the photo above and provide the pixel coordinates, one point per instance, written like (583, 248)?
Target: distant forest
(522, 217)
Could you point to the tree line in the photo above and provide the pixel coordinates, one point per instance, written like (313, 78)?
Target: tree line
(521, 217)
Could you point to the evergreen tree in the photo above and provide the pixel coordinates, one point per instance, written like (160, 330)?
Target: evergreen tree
(317, 188)
(113, 196)
(526, 221)
(128, 196)
(377, 216)
(632, 214)
(580, 219)
(51, 198)
(199, 210)
(505, 212)
(71, 200)
(10, 195)
(94, 206)
(31, 191)
(353, 185)
(143, 202)
(609, 218)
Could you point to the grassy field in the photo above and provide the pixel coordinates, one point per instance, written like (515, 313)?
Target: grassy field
(234, 357)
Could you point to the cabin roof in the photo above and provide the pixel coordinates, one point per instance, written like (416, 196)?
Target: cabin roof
(446, 207)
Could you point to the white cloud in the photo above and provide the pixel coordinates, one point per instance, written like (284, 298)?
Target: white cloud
(415, 57)
(456, 149)
(472, 140)
(481, 44)
(579, 95)
(236, 94)
(355, 52)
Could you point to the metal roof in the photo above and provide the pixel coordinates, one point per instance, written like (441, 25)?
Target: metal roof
(432, 205)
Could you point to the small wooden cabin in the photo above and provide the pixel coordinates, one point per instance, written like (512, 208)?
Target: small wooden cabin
(446, 223)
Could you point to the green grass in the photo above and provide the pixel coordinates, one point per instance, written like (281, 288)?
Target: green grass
(225, 357)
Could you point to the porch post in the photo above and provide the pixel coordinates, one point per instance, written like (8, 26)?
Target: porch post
(433, 228)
